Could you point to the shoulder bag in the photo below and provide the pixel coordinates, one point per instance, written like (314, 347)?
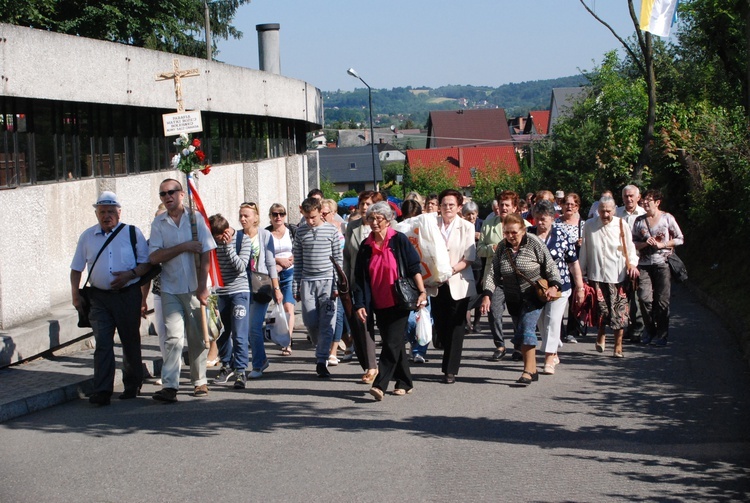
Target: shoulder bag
(631, 283)
(260, 283)
(676, 265)
(540, 286)
(407, 293)
(83, 312)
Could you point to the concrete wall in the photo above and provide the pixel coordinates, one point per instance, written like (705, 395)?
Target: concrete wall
(41, 64)
(41, 225)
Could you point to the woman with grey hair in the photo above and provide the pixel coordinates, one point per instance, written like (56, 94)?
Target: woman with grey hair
(563, 252)
(385, 256)
(470, 213)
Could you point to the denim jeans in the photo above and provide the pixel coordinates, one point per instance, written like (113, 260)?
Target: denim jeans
(234, 311)
(411, 333)
(524, 325)
(257, 343)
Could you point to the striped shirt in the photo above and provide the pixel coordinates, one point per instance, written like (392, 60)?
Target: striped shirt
(233, 267)
(313, 247)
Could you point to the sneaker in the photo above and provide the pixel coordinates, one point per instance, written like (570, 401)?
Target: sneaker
(348, 355)
(645, 339)
(570, 339)
(256, 373)
(168, 395)
(333, 361)
(241, 381)
(224, 375)
(419, 359)
(322, 370)
(660, 343)
(201, 390)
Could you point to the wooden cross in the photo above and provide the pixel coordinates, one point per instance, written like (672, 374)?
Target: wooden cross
(177, 75)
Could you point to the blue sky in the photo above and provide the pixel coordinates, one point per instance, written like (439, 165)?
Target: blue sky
(430, 42)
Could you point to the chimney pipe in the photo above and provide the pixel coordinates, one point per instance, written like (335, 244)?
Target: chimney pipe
(268, 47)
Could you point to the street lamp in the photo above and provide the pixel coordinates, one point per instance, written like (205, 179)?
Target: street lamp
(353, 73)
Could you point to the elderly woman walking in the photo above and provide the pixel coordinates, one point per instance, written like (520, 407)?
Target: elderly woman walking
(609, 262)
(520, 260)
(564, 254)
(383, 257)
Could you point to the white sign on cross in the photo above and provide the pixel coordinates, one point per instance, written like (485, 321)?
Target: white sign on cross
(182, 121)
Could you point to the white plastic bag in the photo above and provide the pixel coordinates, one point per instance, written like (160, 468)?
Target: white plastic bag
(425, 236)
(424, 327)
(277, 326)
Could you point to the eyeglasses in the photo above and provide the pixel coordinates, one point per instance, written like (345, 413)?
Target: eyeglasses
(249, 204)
(171, 192)
(276, 214)
(376, 219)
(325, 213)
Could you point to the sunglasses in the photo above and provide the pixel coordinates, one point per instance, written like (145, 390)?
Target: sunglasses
(325, 213)
(278, 214)
(171, 192)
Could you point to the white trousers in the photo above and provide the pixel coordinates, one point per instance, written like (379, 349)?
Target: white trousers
(550, 322)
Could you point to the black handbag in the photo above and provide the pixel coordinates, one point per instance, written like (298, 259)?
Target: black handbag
(407, 293)
(261, 286)
(83, 312)
(677, 268)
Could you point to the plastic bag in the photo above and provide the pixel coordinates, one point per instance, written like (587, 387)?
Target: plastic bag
(277, 326)
(424, 235)
(424, 327)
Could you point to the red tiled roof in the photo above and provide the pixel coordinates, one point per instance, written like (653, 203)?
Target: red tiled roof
(453, 128)
(460, 160)
(540, 118)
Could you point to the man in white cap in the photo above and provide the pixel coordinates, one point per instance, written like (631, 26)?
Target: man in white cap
(184, 288)
(116, 256)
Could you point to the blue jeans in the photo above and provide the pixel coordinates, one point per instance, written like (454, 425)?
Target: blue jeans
(411, 333)
(257, 343)
(234, 312)
(342, 325)
(524, 325)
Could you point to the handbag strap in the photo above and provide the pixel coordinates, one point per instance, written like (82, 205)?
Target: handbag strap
(624, 245)
(515, 268)
(109, 240)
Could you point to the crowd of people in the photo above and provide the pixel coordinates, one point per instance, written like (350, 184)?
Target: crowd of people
(536, 257)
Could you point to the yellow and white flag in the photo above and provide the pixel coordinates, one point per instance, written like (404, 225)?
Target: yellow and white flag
(657, 16)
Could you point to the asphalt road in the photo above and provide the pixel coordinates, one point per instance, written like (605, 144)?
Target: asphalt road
(662, 424)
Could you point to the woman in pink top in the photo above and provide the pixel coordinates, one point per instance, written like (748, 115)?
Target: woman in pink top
(375, 272)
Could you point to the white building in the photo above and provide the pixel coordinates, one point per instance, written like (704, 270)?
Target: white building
(79, 116)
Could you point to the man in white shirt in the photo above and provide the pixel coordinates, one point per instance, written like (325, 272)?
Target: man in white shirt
(116, 256)
(629, 211)
(184, 288)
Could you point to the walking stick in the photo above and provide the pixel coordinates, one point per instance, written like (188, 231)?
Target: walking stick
(194, 229)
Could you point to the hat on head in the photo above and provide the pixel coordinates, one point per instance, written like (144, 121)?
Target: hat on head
(107, 198)
(559, 194)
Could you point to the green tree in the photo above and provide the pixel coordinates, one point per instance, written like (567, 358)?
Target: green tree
(329, 189)
(432, 178)
(176, 26)
(491, 180)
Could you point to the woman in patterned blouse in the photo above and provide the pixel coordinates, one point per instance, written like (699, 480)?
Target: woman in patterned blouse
(565, 256)
(519, 260)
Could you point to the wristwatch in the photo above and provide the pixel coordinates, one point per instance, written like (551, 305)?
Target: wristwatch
(277, 288)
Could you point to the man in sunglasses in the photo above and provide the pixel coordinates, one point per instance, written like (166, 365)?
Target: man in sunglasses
(184, 288)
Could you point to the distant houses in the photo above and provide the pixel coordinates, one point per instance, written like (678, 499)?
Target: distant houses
(466, 141)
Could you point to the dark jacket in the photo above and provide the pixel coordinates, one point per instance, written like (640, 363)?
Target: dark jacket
(292, 229)
(404, 252)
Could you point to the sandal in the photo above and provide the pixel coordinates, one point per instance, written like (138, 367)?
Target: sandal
(377, 393)
(402, 392)
(369, 378)
(213, 363)
(287, 351)
(527, 380)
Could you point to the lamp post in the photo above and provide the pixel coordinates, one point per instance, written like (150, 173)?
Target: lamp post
(354, 74)
(209, 55)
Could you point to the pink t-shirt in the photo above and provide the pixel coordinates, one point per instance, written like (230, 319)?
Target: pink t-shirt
(383, 271)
